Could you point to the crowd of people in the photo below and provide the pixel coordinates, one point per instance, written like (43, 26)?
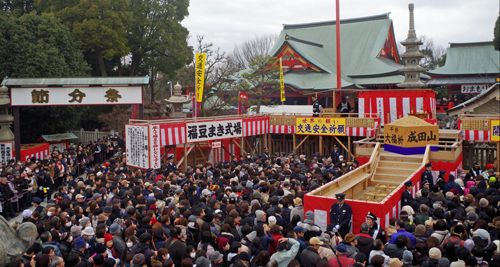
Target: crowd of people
(247, 212)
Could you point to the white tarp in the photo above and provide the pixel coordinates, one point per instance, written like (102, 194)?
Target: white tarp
(287, 109)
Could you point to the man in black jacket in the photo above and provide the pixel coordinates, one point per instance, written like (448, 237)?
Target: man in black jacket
(176, 248)
(310, 255)
(7, 194)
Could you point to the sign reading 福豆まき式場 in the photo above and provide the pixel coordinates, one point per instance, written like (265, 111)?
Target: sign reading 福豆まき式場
(320, 126)
(155, 153)
(213, 130)
(57, 96)
(495, 130)
(137, 145)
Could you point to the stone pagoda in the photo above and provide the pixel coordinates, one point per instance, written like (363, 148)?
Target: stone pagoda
(177, 100)
(411, 57)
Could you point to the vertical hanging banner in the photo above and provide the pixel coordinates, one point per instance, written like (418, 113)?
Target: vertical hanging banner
(154, 153)
(195, 106)
(5, 152)
(200, 75)
(137, 139)
(495, 130)
(242, 104)
(282, 83)
(133, 111)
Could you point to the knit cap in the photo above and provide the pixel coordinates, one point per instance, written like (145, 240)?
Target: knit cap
(272, 220)
(79, 242)
(75, 231)
(483, 203)
(407, 257)
(138, 259)
(435, 253)
(469, 244)
(259, 214)
(310, 215)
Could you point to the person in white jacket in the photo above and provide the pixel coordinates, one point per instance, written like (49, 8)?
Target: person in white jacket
(378, 249)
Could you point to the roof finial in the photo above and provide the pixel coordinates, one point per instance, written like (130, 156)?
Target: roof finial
(411, 31)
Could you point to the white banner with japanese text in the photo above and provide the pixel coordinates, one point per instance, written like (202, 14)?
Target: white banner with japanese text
(212, 130)
(6, 154)
(136, 141)
(51, 96)
(155, 154)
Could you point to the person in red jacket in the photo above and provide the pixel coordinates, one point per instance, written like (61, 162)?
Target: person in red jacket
(342, 259)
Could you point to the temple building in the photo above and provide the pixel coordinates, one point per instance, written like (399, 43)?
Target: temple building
(369, 55)
(470, 68)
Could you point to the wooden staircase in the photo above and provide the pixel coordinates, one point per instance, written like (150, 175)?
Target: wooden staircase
(393, 169)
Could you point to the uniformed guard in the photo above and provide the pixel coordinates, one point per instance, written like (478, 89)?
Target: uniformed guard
(376, 232)
(316, 106)
(341, 215)
(427, 175)
(406, 197)
(354, 165)
(335, 154)
(171, 165)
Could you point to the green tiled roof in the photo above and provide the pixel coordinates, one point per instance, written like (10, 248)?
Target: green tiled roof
(361, 41)
(470, 58)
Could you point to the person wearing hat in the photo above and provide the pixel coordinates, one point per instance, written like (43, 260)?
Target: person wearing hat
(475, 170)
(427, 175)
(266, 153)
(298, 209)
(341, 260)
(354, 165)
(406, 197)
(448, 186)
(79, 249)
(316, 106)
(216, 258)
(287, 251)
(375, 231)
(341, 215)
(310, 256)
(171, 167)
(299, 233)
(335, 154)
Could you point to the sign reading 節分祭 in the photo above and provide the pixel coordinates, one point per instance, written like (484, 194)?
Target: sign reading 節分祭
(320, 126)
(60, 96)
(411, 136)
(212, 130)
(137, 144)
(495, 131)
(5, 152)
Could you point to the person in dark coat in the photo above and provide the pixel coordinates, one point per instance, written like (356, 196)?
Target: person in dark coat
(6, 195)
(375, 231)
(316, 106)
(396, 250)
(176, 247)
(451, 185)
(365, 241)
(406, 197)
(427, 175)
(341, 215)
(335, 154)
(310, 255)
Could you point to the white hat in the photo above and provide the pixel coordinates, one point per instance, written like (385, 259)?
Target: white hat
(205, 192)
(99, 173)
(27, 213)
(272, 220)
(88, 231)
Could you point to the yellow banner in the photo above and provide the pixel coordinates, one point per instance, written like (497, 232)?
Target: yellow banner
(320, 126)
(200, 75)
(282, 83)
(495, 131)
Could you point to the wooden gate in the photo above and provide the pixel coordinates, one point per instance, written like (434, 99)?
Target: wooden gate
(482, 154)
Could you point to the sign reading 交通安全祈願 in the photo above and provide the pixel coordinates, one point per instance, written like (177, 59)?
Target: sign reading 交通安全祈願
(213, 130)
(137, 144)
(51, 96)
(320, 126)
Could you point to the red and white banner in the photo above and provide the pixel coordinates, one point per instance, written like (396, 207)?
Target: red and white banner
(395, 104)
(242, 103)
(282, 129)
(363, 131)
(172, 133)
(255, 126)
(474, 135)
(38, 152)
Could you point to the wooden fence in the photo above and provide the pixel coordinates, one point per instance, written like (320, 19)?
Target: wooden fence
(90, 136)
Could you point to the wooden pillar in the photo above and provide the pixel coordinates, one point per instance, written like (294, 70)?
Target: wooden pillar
(294, 144)
(17, 133)
(349, 148)
(184, 164)
(141, 112)
(498, 156)
(320, 143)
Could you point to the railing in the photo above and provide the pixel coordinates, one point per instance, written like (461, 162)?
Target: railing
(91, 136)
(201, 119)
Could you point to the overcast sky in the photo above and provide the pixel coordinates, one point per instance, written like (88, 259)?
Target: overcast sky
(229, 22)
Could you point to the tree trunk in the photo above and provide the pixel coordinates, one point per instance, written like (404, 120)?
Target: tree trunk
(136, 59)
(102, 66)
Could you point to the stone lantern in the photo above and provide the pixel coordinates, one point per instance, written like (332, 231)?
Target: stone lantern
(6, 118)
(177, 100)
